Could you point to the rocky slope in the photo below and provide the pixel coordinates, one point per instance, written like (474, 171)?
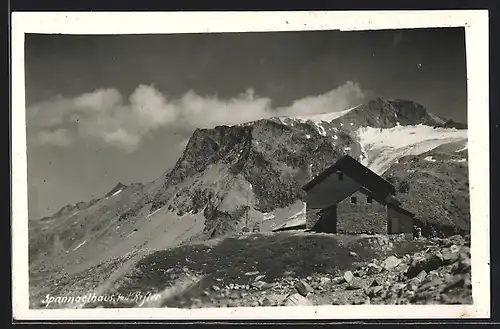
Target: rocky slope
(254, 169)
(352, 270)
(435, 186)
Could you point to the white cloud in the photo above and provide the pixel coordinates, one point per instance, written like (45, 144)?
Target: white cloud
(100, 100)
(105, 115)
(59, 137)
(151, 108)
(122, 139)
(338, 99)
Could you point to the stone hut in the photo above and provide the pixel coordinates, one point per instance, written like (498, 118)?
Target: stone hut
(350, 198)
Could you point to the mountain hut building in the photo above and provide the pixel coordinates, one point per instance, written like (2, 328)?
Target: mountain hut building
(349, 198)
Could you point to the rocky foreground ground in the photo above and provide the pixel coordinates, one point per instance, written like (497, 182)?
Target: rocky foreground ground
(439, 273)
(282, 269)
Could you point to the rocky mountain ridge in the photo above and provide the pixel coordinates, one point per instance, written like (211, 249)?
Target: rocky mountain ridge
(225, 174)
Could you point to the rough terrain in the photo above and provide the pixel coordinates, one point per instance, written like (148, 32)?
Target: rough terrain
(250, 175)
(300, 269)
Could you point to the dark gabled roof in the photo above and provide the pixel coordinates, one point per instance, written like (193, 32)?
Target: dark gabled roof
(359, 173)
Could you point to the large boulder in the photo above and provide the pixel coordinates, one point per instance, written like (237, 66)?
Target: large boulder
(348, 276)
(390, 263)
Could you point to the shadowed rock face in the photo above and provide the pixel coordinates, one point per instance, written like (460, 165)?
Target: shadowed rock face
(383, 113)
(265, 161)
(435, 186)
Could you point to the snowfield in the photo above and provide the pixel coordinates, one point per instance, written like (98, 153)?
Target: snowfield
(383, 147)
(324, 117)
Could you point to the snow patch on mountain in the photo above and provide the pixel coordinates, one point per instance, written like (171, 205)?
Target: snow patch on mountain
(81, 244)
(321, 129)
(117, 192)
(324, 117)
(384, 146)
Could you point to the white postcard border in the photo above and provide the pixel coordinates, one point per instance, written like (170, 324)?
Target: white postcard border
(476, 27)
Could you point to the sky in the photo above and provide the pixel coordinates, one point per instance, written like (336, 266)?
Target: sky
(107, 109)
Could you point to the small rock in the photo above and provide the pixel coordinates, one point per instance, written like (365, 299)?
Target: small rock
(421, 276)
(252, 273)
(398, 286)
(297, 300)
(267, 285)
(374, 291)
(390, 263)
(377, 289)
(433, 275)
(205, 293)
(375, 283)
(358, 301)
(259, 277)
(402, 267)
(273, 300)
(232, 303)
(325, 281)
(303, 288)
(457, 238)
(463, 265)
(436, 282)
(231, 286)
(338, 280)
(353, 254)
(445, 299)
(309, 278)
(415, 281)
(454, 248)
(215, 288)
(373, 268)
(258, 284)
(412, 287)
(348, 276)
(354, 285)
